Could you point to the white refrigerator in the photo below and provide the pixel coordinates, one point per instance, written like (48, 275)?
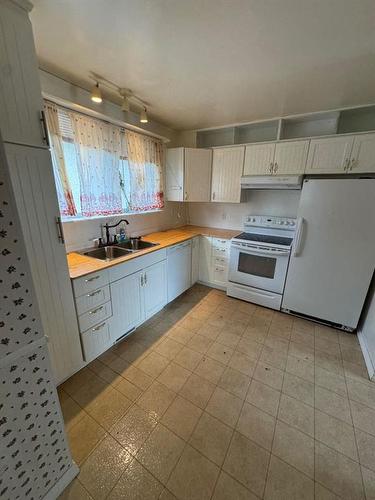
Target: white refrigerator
(333, 254)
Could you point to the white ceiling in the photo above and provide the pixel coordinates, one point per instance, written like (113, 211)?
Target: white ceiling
(202, 63)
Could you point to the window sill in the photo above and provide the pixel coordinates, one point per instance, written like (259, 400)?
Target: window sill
(116, 216)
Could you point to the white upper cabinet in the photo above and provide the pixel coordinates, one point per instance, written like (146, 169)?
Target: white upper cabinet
(227, 168)
(290, 158)
(330, 155)
(363, 154)
(259, 159)
(20, 94)
(188, 174)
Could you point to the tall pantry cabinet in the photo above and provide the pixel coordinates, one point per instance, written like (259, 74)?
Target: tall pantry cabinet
(30, 167)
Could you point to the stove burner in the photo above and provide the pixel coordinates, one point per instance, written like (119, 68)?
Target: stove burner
(265, 238)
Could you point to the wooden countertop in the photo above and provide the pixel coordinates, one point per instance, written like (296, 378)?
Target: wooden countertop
(80, 265)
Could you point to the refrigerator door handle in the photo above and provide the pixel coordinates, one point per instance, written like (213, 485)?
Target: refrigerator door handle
(298, 237)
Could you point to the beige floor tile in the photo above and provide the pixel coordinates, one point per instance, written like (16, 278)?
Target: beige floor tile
(271, 356)
(366, 449)
(108, 407)
(167, 495)
(200, 343)
(269, 375)
(103, 468)
(326, 332)
(368, 483)
(235, 382)
(191, 324)
(134, 428)
(228, 339)
(247, 462)
(303, 338)
(160, 452)
(362, 392)
(180, 334)
(280, 330)
(336, 434)
(333, 404)
(299, 388)
(89, 391)
(211, 437)
(194, 477)
(188, 358)
(71, 411)
(128, 389)
(254, 334)
(264, 397)
(181, 417)
(242, 363)
(286, 483)
(197, 390)
(156, 399)
(338, 473)
(352, 354)
(136, 483)
(220, 353)
(210, 369)
(303, 325)
(330, 381)
(168, 348)
(297, 414)
(301, 368)
(75, 491)
(347, 339)
(153, 364)
(138, 377)
(131, 350)
(328, 362)
(329, 346)
(119, 365)
(209, 331)
(83, 437)
(352, 370)
(277, 343)
(75, 382)
(224, 406)
(104, 372)
(301, 351)
(321, 493)
(363, 417)
(294, 447)
(174, 376)
(256, 425)
(228, 488)
(250, 348)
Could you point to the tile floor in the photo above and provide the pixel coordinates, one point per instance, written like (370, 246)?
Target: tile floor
(217, 398)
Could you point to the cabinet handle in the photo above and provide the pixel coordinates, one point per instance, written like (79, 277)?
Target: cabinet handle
(99, 327)
(60, 231)
(94, 311)
(352, 163)
(88, 280)
(346, 164)
(213, 195)
(44, 128)
(271, 167)
(93, 293)
(145, 279)
(275, 167)
(142, 282)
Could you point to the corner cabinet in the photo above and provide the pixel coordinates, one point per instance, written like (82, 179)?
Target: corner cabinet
(227, 168)
(188, 174)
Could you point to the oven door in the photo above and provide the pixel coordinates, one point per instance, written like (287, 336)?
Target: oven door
(258, 266)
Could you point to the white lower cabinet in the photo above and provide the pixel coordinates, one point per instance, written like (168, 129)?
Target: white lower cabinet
(195, 259)
(178, 269)
(155, 288)
(96, 340)
(213, 261)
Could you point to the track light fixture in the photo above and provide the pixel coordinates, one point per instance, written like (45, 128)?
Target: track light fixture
(96, 94)
(143, 116)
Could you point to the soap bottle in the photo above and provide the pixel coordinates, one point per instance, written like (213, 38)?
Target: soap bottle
(122, 234)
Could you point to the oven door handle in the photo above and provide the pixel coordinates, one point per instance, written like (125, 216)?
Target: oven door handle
(257, 251)
(297, 243)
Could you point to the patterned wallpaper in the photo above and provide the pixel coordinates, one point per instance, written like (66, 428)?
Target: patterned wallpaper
(33, 449)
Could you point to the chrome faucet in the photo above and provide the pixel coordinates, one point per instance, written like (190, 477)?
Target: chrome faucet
(107, 234)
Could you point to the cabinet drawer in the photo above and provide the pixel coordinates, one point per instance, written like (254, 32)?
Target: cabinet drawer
(92, 299)
(219, 251)
(95, 341)
(94, 316)
(220, 261)
(91, 282)
(220, 274)
(220, 242)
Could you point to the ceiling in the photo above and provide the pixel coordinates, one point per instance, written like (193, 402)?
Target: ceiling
(204, 63)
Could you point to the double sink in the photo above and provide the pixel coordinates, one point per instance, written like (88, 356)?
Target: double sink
(119, 249)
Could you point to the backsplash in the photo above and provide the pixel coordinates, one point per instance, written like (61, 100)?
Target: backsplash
(79, 234)
(230, 215)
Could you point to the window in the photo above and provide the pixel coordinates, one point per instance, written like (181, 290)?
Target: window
(102, 169)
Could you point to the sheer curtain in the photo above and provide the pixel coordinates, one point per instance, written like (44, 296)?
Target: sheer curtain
(63, 187)
(98, 148)
(143, 173)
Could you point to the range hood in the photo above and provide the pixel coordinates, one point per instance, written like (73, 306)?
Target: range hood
(271, 182)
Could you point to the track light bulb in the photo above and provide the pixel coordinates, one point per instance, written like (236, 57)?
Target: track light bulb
(143, 116)
(96, 95)
(125, 103)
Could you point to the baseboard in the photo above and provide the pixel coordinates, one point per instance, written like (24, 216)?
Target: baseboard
(212, 285)
(366, 355)
(62, 483)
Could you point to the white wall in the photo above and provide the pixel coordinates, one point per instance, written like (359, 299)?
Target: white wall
(230, 215)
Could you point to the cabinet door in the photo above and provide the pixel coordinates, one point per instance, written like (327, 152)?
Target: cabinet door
(174, 174)
(127, 305)
(329, 156)
(20, 94)
(155, 288)
(194, 260)
(179, 269)
(363, 155)
(197, 181)
(290, 158)
(205, 260)
(227, 168)
(34, 189)
(259, 159)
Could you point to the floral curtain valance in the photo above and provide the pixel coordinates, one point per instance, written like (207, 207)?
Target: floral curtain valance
(102, 169)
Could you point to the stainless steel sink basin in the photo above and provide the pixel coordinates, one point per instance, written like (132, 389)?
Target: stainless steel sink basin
(107, 253)
(134, 245)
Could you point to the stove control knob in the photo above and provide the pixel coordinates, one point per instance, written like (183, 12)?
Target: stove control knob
(282, 222)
